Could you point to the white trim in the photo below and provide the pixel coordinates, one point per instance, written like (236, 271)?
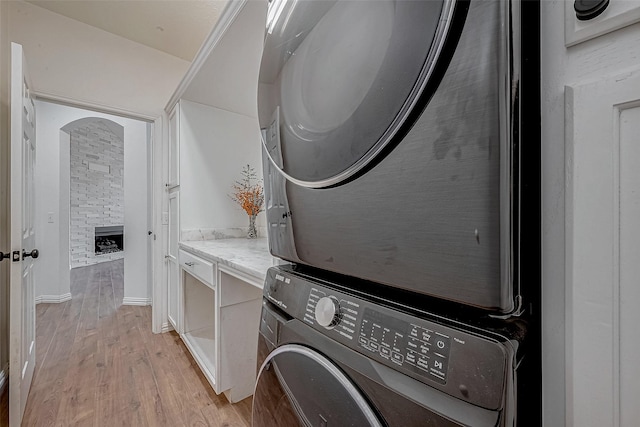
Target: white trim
(4, 375)
(136, 301)
(159, 273)
(53, 299)
(166, 327)
(227, 17)
(87, 105)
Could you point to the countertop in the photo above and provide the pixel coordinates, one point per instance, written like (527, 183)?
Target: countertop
(250, 256)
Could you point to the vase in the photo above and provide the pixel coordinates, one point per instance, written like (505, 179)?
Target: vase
(252, 233)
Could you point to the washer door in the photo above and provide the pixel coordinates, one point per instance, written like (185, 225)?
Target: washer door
(339, 79)
(297, 386)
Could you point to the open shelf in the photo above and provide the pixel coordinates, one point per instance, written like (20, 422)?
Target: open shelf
(199, 324)
(202, 341)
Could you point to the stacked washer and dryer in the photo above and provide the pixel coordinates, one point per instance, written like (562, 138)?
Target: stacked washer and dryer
(401, 159)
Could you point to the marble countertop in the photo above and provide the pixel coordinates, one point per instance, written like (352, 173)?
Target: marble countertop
(250, 256)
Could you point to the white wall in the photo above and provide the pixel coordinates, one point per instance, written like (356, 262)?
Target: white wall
(561, 66)
(214, 147)
(136, 256)
(235, 63)
(52, 196)
(76, 61)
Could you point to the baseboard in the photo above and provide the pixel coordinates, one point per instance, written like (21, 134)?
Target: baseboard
(4, 376)
(166, 327)
(136, 301)
(53, 299)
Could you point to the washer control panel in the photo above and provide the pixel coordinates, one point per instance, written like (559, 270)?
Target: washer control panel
(423, 350)
(452, 357)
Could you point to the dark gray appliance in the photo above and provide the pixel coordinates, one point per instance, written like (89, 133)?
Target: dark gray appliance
(329, 356)
(393, 143)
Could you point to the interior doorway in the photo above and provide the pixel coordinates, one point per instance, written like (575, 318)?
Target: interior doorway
(93, 186)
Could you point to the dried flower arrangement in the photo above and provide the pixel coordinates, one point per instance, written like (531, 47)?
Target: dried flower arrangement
(249, 194)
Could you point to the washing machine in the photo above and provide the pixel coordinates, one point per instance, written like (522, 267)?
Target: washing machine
(330, 356)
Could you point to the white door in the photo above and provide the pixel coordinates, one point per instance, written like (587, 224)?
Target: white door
(603, 251)
(22, 330)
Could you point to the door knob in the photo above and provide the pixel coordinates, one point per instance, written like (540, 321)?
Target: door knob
(3, 255)
(34, 254)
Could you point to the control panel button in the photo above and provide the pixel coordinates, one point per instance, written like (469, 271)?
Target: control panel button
(413, 344)
(397, 357)
(385, 351)
(327, 312)
(423, 362)
(424, 349)
(438, 367)
(440, 345)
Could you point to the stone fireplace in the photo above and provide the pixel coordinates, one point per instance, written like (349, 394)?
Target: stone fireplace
(96, 192)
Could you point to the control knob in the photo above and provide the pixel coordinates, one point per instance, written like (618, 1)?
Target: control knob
(328, 312)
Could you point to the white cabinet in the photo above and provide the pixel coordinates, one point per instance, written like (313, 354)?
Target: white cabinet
(219, 325)
(589, 94)
(174, 146)
(173, 293)
(198, 267)
(603, 253)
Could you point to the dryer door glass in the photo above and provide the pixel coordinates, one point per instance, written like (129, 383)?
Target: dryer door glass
(297, 386)
(339, 79)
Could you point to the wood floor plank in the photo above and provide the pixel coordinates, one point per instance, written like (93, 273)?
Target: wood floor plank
(49, 315)
(99, 365)
(77, 399)
(49, 376)
(4, 407)
(167, 379)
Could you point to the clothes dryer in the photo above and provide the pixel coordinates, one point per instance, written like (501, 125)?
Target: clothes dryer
(396, 144)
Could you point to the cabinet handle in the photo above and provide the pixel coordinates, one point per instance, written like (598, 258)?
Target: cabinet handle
(190, 264)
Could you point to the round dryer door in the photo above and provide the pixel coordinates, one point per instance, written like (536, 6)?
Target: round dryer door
(339, 79)
(297, 386)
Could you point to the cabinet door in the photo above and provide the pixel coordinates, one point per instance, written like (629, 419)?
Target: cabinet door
(603, 251)
(173, 268)
(174, 147)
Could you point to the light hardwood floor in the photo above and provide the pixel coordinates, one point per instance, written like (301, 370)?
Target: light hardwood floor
(99, 364)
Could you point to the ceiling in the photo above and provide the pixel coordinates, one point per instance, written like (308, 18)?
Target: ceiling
(177, 27)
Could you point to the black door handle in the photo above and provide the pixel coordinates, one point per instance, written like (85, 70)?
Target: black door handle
(34, 254)
(3, 255)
